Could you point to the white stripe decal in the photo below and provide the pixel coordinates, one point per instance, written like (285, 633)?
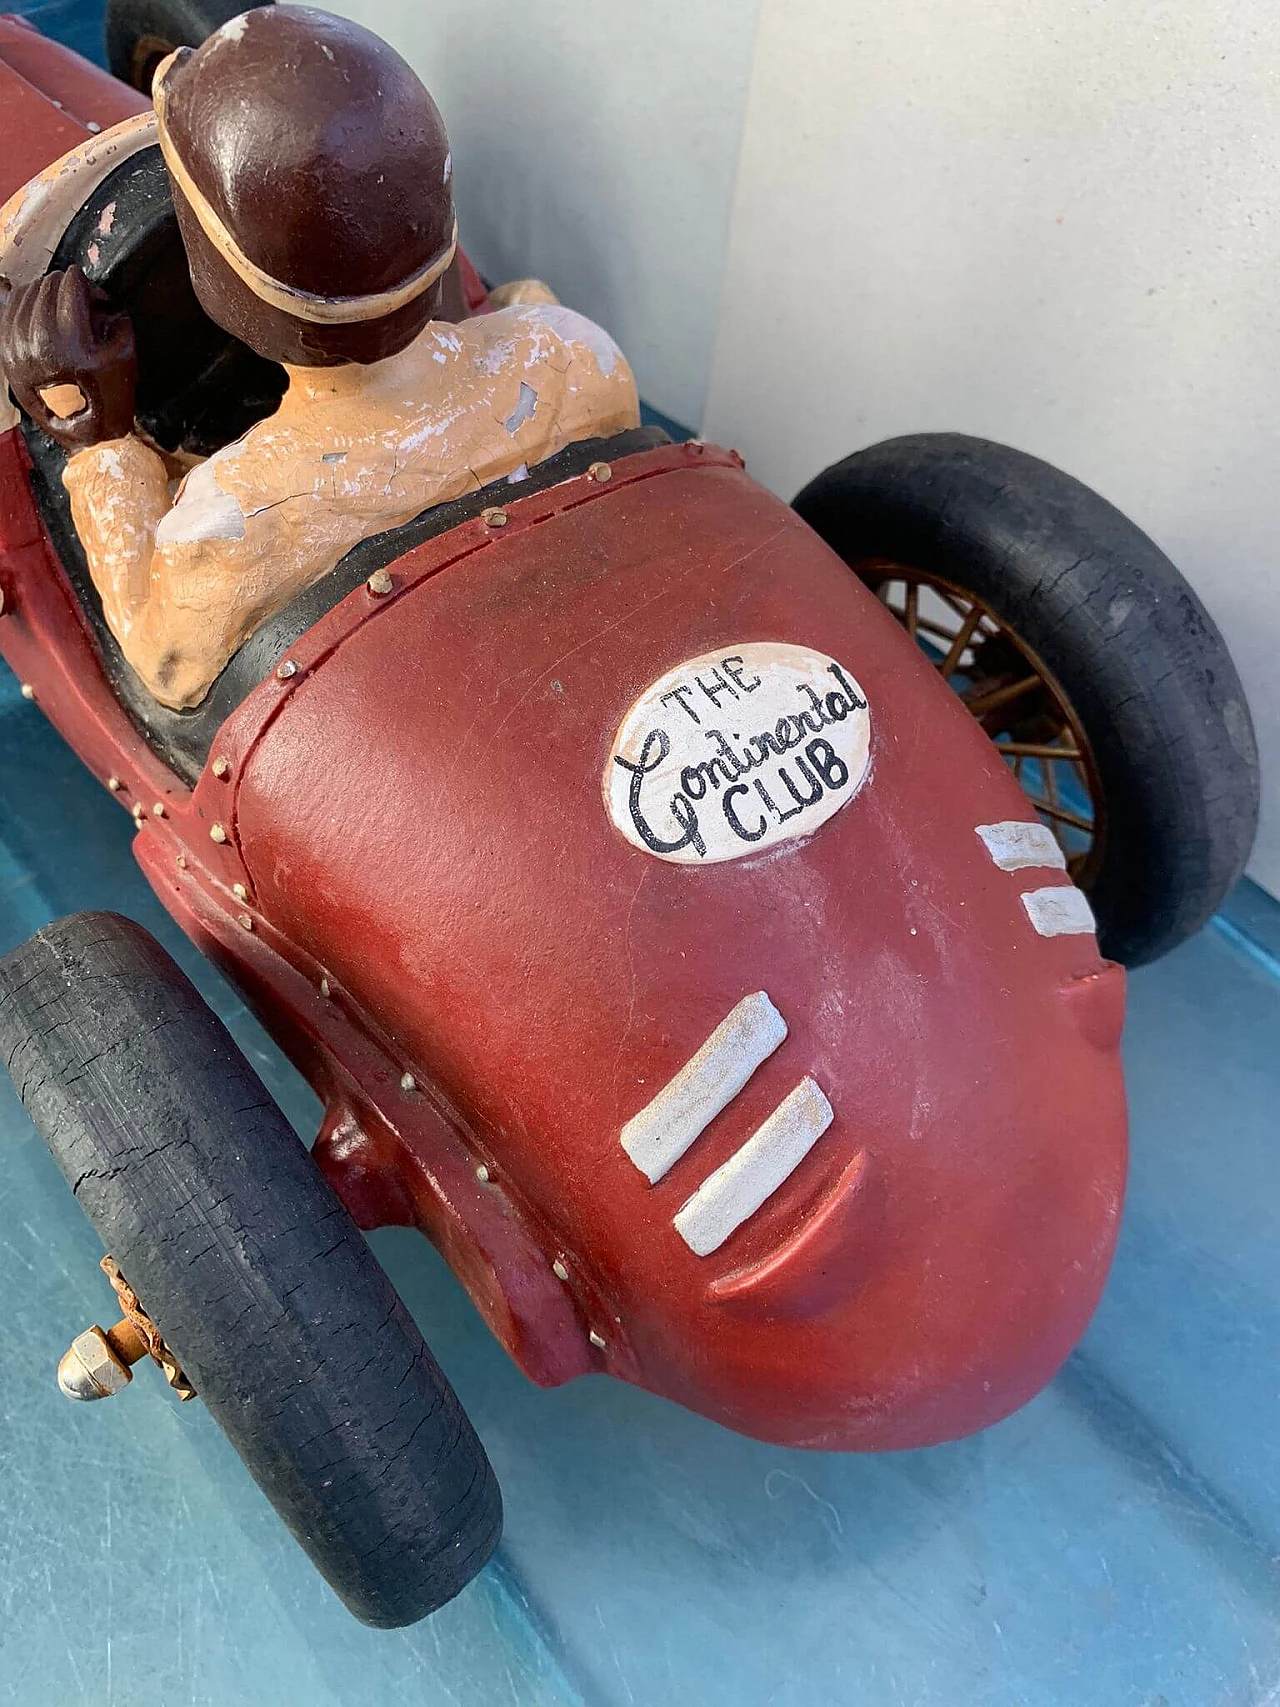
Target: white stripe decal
(752, 1174)
(1015, 845)
(1059, 911)
(660, 1134)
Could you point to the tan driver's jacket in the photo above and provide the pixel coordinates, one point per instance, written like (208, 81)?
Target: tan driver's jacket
(185, 579)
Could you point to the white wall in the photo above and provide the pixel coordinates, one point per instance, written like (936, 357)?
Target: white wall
(1054, 225)
(594, 146)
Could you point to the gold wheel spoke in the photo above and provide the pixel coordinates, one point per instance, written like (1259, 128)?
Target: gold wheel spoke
(957, 623)
(986, 702)
(947, 667)
(952, 599)
(931, 627)
(1050, 807)
(1036, 750)
(1061, 815)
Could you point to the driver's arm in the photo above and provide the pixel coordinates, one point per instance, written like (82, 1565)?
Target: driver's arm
(119, 494)
(70, 362)
(184, 583)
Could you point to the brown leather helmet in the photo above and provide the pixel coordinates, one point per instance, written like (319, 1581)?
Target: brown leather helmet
(313, 185)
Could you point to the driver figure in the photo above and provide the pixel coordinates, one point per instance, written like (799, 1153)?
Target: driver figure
(312, 182)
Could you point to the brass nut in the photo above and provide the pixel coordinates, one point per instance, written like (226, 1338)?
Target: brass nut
(379, 583)
(114, 784)
(90, 1369)
(28, 692)
(157, 811)
(600, 471)
(287, 669)
(239, 891)
(221, 767)
(494, 518)
(244, 921)
(217, 833)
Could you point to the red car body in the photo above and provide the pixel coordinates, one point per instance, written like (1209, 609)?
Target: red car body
(403, 857)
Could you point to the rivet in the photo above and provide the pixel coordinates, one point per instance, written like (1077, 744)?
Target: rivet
(239, 891)
(494, 518)
(92, 126)
(324, 988)
(408, 1082)
(220, 767)
(182, 862)
(559, 1270)
(287, 669)
(139, 813)
(600, 471)
(157, 811)
(596, 1340)
(217, 833)
(482, 1174)
(245, 922)
(114, 784)
(28, 692)
(379, 583)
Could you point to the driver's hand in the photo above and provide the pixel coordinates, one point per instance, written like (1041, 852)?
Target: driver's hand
(69, 359)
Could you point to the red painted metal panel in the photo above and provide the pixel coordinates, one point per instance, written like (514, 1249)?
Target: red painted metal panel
(425, 815)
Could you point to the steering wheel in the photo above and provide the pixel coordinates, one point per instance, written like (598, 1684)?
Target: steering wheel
(198, 387)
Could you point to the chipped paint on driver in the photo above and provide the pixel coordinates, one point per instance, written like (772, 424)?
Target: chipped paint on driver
(203, 510)
(523, 411)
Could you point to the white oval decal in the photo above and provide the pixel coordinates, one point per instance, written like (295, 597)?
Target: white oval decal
(736, 751)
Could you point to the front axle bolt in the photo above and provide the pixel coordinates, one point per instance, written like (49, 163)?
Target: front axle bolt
(99, 1362)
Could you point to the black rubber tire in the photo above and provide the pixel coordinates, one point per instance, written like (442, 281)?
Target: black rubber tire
(179, 23)
(254, 1273)
(1135, 650)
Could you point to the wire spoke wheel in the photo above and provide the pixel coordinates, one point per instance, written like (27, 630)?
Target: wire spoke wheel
(1014, 696)
(1081, 651)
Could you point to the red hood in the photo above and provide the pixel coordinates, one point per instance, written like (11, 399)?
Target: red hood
(426, 816)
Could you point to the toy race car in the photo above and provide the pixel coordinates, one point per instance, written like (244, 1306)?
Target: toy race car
(684, 905)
